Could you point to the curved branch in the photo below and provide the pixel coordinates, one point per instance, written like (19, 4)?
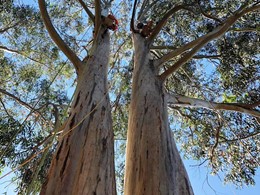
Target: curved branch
(56, 37)
(217, 32)
(85, 7)
(183, 101)
(132, 24)
(165, 18)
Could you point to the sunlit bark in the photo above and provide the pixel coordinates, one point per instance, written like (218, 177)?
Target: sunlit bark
(153, 163)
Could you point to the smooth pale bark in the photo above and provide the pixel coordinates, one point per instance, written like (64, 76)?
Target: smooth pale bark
(153, 163)
(183, 101)
(84, 160)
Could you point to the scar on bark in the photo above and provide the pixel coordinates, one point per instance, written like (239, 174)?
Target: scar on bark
(59, 150)
(86, 96)
(104, 144)
(103, 111)
(65, 162)
(72, 121)
(77, 100)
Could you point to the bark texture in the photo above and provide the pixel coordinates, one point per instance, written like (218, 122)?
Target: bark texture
(153, 163)
(84, 160)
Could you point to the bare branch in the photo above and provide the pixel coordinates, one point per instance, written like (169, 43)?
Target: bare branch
(177, 52)
(250, 135)
(9, 27)
(97, 17)
(5, 109)
(6, 49)
(183, 101)
(85, 7)
(144, 9)
(132, 25)
(21, 102)
(212, 155)
(56, 37)
(163, 21)
(245, 29)
(208, 15)
(217, 32)
(206, 56)
(159, 47)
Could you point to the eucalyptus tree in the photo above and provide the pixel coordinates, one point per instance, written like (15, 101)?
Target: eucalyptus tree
(29, 98)
(84, 160)
(214, 112)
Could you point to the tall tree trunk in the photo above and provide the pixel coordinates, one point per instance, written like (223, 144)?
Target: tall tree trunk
(153, 164)
(84, 160)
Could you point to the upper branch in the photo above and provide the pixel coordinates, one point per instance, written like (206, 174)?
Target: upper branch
(97, 17)
(200, 42)
(56, 37)
(132, 24)
(163, 21)
(85, 7)
(183, 101)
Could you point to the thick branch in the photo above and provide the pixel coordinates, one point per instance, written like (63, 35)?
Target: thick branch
(97, 17)
(183, 101)
(163, 21)
(56, 37)
(219, 31)
(85, 7)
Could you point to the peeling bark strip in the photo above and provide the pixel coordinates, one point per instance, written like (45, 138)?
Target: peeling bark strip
(84, 161)
(153, 163)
